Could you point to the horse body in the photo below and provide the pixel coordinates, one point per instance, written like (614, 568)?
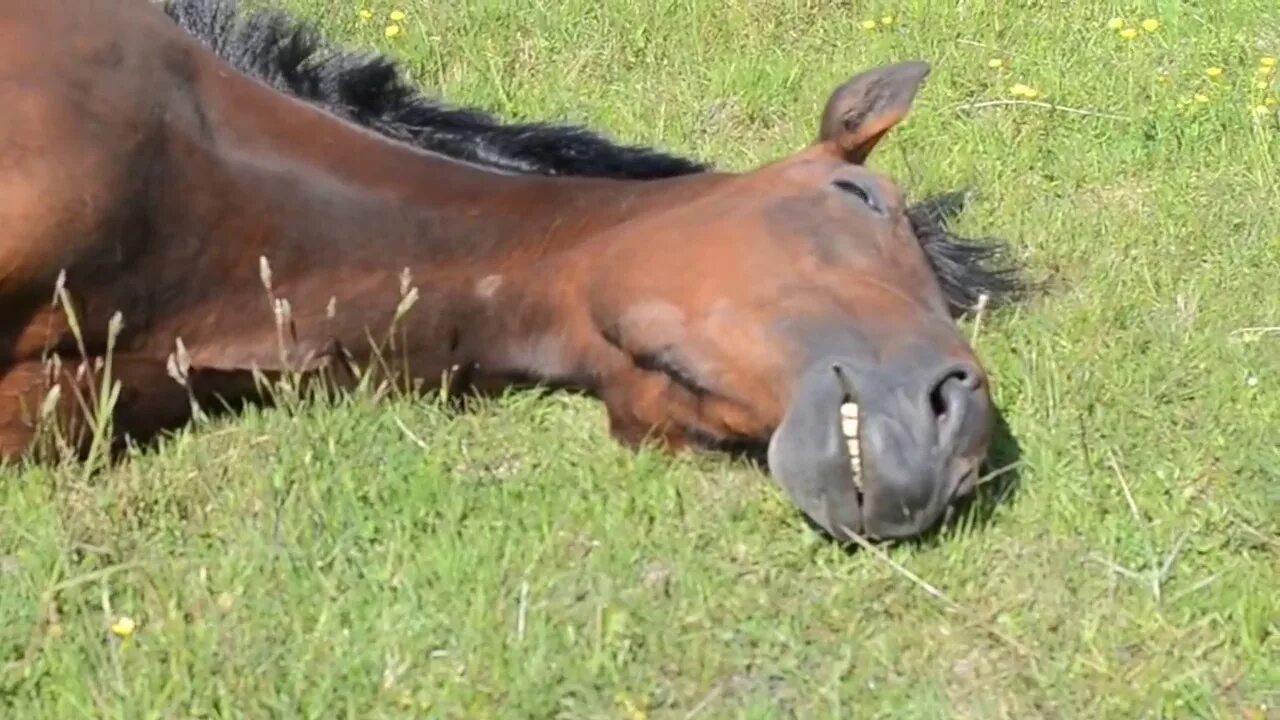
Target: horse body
(235, 229)
(158, 179)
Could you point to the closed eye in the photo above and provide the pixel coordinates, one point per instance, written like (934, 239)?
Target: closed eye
(859, 191)
(666, 362)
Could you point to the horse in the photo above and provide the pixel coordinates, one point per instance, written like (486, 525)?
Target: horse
(194, 199)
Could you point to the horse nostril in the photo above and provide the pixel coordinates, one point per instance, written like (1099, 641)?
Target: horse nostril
(941, 400)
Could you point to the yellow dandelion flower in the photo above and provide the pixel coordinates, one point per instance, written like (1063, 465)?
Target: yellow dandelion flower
(1151, 25)
(1267, 70)
(995, 63)
(1213, 72)
(868, 24)
(366, 14)
(1025, 91)
(1115, 23)
(1267, 62)
(1201, 98)
(1129, 33)
(124, 626)
(392, 31)
(886, 20)
(1269, 102)
(397, 16)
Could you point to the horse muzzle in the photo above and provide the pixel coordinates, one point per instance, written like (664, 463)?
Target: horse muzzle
(882, 451)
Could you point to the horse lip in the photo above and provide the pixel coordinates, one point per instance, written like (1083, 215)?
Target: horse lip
(842, 530)
(846, 382)
(808, 455)
(840, 517)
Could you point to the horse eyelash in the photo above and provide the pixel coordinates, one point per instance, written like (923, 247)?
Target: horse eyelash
(664, 363)
(852, 189)
(860, 192)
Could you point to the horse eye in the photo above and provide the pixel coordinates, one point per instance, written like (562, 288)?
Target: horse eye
(665, 362)
(860, 191)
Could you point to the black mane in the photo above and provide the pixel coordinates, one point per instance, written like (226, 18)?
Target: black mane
(369, 89)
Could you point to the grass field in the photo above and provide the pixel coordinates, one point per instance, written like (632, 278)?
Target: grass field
(322, 563)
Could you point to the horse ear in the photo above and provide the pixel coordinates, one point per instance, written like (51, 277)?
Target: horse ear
(866, 107)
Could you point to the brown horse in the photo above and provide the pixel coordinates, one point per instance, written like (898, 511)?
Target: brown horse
(155, 186)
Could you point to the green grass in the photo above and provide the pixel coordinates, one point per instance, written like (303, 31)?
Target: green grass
(322, 564)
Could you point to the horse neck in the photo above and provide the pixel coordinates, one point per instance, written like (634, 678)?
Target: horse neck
(337, 182)
(349, 222)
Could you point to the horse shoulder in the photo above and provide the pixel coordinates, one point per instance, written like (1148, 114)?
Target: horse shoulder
(80, 134)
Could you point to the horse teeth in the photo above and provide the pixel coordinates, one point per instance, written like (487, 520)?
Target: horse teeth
(849, 427)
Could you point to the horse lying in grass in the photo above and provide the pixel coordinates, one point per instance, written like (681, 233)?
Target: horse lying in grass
(169, 161)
